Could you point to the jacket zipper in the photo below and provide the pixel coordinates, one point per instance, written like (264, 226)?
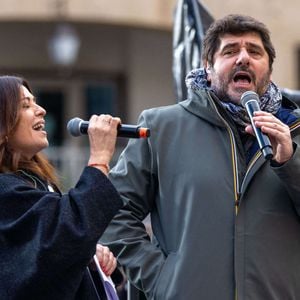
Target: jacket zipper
(234, 168)
(236, 184)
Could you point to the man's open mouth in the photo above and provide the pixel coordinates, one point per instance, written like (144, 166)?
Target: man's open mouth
(242, 77)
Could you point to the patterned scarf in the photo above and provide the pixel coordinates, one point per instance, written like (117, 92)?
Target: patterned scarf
(270, 101)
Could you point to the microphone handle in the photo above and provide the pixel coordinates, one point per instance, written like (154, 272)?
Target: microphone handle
(83, 127)
(124, 130)
(263, 140)
(132, 131)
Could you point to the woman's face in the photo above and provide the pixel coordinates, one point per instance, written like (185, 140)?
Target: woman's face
(29, 136)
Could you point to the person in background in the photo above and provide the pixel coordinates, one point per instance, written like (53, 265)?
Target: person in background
(225, 221)
(47, 239)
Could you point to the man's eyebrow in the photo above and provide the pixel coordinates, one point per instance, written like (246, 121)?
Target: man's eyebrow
(248, 44)
(253, 45)
(231, 44)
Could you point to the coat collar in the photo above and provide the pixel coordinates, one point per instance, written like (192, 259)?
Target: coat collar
(205, 105)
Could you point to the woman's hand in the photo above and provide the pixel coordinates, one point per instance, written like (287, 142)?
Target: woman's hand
(102, 133)
(107, 261)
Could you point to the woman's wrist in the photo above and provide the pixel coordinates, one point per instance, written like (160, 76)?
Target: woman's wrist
(104, 167)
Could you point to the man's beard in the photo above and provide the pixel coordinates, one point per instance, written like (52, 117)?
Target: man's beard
(221, 85)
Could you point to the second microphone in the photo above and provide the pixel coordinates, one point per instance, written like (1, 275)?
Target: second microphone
(77, 127)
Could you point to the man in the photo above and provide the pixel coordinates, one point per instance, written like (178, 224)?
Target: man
(225, 220)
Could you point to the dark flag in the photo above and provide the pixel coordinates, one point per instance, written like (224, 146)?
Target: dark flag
(191, 20)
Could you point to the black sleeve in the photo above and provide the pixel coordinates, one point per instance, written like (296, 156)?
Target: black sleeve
(48, 238)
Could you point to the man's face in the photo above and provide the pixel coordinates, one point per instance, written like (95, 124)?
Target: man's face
(240, 64)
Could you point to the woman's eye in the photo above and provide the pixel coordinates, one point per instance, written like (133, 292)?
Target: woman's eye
(25, 104)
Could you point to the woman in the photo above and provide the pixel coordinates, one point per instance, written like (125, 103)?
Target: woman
(47, 239)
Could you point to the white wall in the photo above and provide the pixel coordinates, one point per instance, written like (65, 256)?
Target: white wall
(149, 68)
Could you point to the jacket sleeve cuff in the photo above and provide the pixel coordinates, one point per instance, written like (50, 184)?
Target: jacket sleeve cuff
(289, 174)
(275, 164)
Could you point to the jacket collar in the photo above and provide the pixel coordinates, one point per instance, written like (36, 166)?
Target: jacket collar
(204, 104)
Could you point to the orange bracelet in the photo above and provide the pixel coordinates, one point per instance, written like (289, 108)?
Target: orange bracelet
(105, 166)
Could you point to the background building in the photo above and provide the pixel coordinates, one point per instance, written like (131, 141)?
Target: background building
(120, 58)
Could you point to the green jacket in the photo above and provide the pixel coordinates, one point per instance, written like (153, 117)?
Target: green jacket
(189, 176)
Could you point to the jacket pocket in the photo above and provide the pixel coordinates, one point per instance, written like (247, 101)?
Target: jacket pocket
(163, 280)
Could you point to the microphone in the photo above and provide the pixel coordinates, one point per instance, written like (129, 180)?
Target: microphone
(250, 101)
(77, 127)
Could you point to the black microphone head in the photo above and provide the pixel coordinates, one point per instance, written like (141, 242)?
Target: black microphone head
(247, 96)
(73, 126)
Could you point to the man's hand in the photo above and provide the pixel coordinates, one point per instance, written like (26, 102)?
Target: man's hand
(278, 133)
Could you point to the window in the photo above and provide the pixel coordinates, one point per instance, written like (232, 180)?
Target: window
(101, 98)
(53, 103)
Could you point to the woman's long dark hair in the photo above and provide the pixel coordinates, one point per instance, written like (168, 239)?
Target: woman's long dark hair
(10, 161)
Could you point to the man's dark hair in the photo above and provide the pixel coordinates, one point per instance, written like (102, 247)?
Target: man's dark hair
(235, 24)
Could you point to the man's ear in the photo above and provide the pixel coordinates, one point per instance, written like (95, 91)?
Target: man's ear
(208, 68)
